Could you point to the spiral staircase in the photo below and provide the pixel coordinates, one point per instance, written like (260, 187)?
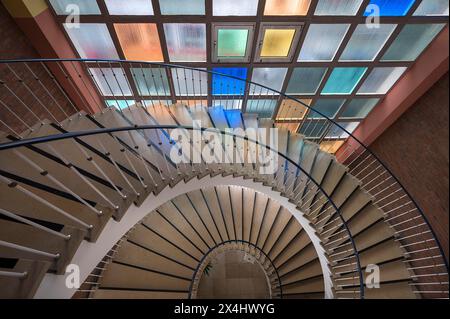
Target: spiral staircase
(102, 191)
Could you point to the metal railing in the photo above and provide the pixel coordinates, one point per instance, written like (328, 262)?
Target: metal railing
(32, 91)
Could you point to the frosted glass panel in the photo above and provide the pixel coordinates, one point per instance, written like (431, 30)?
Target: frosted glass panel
(190, 82)
(66, 7)
(338, 133)
(129, 7)
(235, 7)
(359, 108)
(271, 77)
(139, 41)
(286, 7)
(111, 82)
(380, 80)
(232, 42)
(338, 7)
(305, 80)
(328, 107)
(365, 42)
(411, 41)
(263, 107)
(223, 85)
(151, 81)
(277, 42)
(120, 104)
(343, 80)
(432, 8)
(227, 105)
(182, 7)
(92, 41)
(391, 7)
(186, 42)
(330, 36)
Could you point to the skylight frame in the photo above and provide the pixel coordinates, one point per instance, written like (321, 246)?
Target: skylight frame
(232, 26)
(298, 27)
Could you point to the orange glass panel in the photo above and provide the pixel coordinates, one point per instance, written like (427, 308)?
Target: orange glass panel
(193, 103)
(292, 110)
(331, 146)
(286, 7)
(293, 127)
(139, 41)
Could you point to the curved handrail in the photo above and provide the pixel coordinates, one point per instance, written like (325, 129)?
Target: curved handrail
(169, 65)
(228, 242)
(62, 136)
(359, 146)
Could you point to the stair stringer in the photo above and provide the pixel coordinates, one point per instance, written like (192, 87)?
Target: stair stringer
(89, 254)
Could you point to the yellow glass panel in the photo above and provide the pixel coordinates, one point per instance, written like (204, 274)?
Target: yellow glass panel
(292, 110)
(139, 41)
(293, 127)
(286, 7)
(331, 146)
(277, 42)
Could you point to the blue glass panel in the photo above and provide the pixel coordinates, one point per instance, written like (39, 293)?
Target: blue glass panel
(343, 80)
(223, 85)
(234, 118)
(359, 108)
(390, 7)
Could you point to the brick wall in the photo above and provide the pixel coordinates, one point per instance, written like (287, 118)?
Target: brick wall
(416, 148)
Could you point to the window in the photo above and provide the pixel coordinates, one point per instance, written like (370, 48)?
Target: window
(232, 43)
(305, 80)
(92, 41)
(331, 36)
(277, 42)
(111, 81)
(270, 77)
(337, 7)
(358, 108)
(292, 110)
(365, 42)
(190, 82)
(228, 104)
(389, 7)
(223, 85)
(186, 42)
(262, 107)
(380, 80)
(181, 7)
(151, 81)
(286, 7)
(432, 8)
(66, 7)
(411, 41)
(292, 127)
(328, 107)
(129, 7)
(139, 41)
(235, 7)
(343, 80)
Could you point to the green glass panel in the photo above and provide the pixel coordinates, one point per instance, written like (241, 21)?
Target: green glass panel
(411, 41)
(343, 80)
(232, 42)
(359, 108)
(327, 107)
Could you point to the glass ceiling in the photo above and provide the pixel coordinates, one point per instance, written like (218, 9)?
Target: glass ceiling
(320, 52)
